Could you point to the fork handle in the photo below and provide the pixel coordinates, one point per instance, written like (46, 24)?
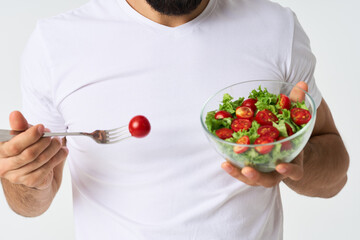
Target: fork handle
(7, 135)
(63, 134)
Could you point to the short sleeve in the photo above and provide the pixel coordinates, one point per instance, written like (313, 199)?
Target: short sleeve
(302, 62)
(36, 86)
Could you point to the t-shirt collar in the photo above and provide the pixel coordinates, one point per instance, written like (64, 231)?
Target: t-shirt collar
(124, 5)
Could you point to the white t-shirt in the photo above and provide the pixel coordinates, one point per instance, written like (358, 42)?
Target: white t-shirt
(97, 66)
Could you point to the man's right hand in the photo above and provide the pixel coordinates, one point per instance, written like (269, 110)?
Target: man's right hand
(28, 159)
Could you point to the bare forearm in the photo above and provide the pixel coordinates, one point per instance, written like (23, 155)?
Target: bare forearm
(325, 165)
(26, 201)
(32, 202)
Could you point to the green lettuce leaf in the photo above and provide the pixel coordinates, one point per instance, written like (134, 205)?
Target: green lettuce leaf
(251, 133)
(297, 141)
(285, 115)
(262, 104)
(214, 124)
(228, 105)
(278, 154)
(299, 105)
(281, 127)
(265, 100)
(259, 93)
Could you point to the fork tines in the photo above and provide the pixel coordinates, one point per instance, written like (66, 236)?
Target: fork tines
(117, 134)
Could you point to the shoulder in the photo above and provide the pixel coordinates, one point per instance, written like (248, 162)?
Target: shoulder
(64, 32)
(266, 24)
(257, 13)
(266, 8)
(265, 5)
(262, 8)
(92, 11)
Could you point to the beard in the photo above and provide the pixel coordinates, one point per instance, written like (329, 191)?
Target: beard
(174, 7)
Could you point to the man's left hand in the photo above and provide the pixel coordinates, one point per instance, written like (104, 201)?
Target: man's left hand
(252, 177)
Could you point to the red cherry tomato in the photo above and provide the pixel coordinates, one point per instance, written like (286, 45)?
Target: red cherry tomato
(264, 140)
(300, 116)
(243, 140)
(244, 112)
(250, 102)
(285, 145)
(284, 102)
(139, 126)
(266, 117)
(222, 114)
(289, 130)
(224, 133)
(268, 131)
(240, 124)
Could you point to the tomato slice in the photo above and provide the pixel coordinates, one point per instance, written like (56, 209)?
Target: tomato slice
(284, 102)
(268, 131)
(300, 116)
(222, 114)
(250, 102)
(224, 133)
(289, 130)
(266, 117)
(264, 140)
(139, 126)
(285, 145)
(240, 124)
(243, 140)
(244, 112)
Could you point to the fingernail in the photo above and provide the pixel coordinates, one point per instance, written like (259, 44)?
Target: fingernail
(281, 169)
(249, 174)
(41, 129)
(227, 167)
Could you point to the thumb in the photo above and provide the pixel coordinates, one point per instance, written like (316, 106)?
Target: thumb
(18, 121)
(297, 95)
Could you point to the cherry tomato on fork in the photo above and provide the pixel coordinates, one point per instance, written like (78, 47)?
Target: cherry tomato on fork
(139, 126)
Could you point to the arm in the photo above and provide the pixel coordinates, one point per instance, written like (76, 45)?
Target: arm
(320, 170)
(31, 202)
(325, 160)
(30, 168)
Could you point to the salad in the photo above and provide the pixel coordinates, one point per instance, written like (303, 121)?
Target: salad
(260, 119)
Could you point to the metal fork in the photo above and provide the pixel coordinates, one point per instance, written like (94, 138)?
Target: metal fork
(100, 136)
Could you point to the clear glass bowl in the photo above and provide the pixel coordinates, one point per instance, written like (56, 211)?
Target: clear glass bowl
(266, 162)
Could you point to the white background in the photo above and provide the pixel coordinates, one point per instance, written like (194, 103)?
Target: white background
(333, 27)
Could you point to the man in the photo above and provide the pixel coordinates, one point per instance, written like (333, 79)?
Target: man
(97, 66)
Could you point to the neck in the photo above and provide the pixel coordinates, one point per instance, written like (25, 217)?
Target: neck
(142, 7)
